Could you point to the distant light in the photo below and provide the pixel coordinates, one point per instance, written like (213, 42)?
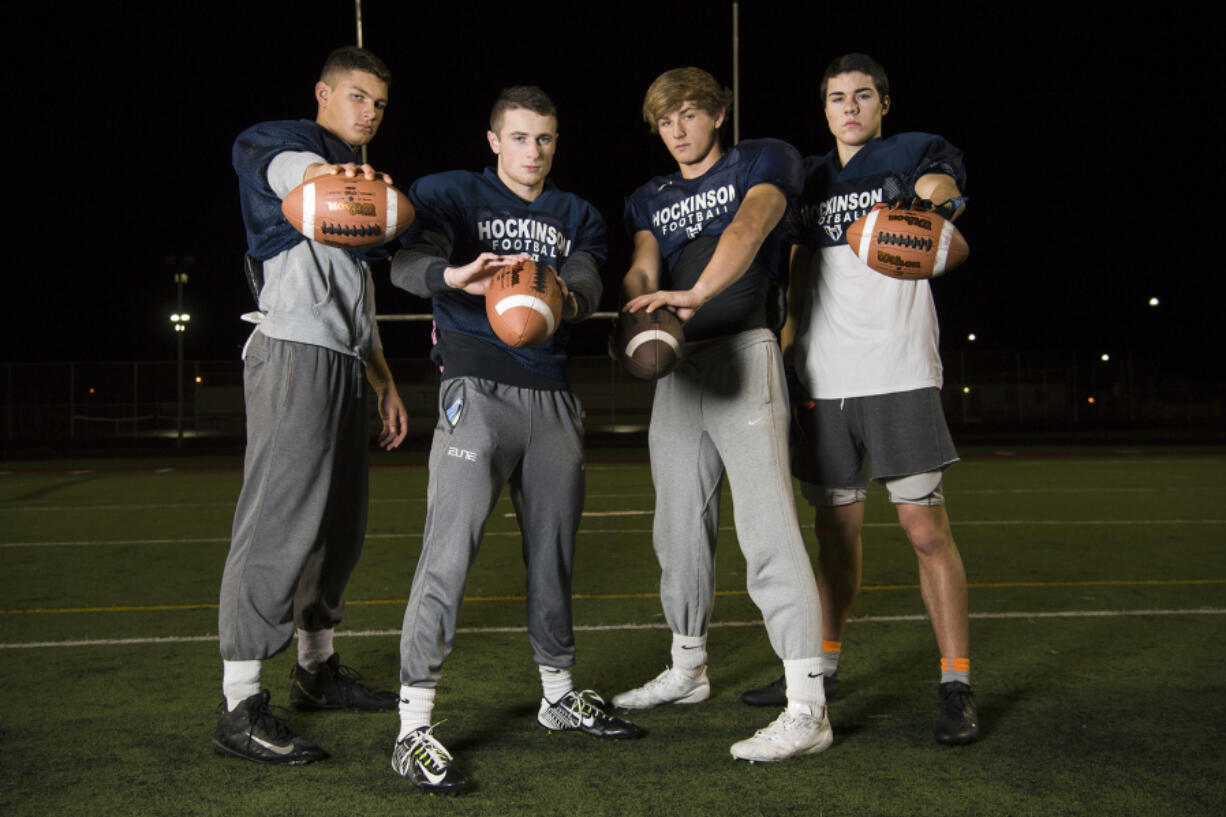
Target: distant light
(91, 390)
(199, 379)
(1105, 358)
(185, 317)
(1153, 301)
(174, 318)
(966, 389)
(1091, 400)
(971, 336)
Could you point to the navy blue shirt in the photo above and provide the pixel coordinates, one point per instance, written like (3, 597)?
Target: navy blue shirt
(268, 233)
(687, 216)
(834, 197)
(477, 213)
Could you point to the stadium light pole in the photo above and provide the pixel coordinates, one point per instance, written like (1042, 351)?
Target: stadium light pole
(179, 319)
(357, 21)
(736, 73)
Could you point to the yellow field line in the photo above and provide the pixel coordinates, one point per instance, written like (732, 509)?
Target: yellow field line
(152, 608)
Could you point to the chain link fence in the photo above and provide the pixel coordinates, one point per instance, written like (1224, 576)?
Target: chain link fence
(57, 404)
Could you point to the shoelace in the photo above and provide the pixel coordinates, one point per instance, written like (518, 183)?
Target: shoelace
(263, 717)
(426, 748)
(580, 706)
(659, 681)
(955, 703)
(786, 720)
(349, 681)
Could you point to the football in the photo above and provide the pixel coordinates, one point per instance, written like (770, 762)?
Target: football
(907, 244)
(649, 343)
(524, 304)
(349, 212)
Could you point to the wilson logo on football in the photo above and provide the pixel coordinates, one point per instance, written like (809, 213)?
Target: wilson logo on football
(353, 208)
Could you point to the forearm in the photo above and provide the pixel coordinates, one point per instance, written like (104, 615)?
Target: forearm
(644, 273)
(798, 294)
(420, 267)
(379, 374)
(764, 205)
(287, 169)
(938, 188)
(583, 280)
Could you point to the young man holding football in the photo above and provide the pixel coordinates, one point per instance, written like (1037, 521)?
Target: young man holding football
(506, 416)
(706, 242)
(301, 515)
(864, 347)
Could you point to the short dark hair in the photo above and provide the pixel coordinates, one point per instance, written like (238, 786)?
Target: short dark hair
(521, 96)
(674, 88)
(862, 63)
(351, 58)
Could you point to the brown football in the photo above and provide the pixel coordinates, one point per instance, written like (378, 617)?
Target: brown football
(524, 304)
(343, 211)
(907, 244)
(649, 343)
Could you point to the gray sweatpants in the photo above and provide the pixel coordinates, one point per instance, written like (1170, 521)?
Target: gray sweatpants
(726, 408)
(488, 435)
(301, 514)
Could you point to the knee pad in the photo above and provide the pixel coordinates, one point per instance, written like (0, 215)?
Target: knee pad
(820, 496)
(916, 489)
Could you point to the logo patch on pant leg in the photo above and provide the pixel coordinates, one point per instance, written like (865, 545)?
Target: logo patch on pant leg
(453, 411)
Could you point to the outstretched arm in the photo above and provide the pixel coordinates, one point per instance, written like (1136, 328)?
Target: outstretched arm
(938, 188)
(351, 170)
(758, 214)
(644, 273)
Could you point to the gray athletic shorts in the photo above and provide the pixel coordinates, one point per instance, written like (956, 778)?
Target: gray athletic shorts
(901, 440)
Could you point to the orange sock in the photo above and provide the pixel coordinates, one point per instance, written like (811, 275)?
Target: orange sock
(956, 669)
(830, 656)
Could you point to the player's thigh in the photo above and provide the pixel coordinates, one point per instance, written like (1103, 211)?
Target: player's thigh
(478, 440)
(906, 434)
(552, 476)
(829, 458)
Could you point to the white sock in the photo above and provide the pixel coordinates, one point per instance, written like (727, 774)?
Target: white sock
(690, 653)
(314, 648)
(805, 690)
(239, 681)
(555, 683)
(416, 707)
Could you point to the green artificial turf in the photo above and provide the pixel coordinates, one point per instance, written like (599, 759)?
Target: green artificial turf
(1098, 653)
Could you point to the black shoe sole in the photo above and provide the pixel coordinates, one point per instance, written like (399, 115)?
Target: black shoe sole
(279, 760)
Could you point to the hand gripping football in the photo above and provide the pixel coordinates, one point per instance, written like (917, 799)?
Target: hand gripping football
(907, 244)
(649, 343)
(524, 304)
(346, 211)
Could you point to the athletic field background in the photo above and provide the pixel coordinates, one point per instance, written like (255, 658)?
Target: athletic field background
(1098, 595)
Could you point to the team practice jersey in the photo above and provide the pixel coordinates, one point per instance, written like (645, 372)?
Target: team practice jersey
(862, 332)
(477, 213)
(687, 216)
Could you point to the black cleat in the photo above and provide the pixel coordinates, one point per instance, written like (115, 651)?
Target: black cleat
(958, 722)
(577, 711)
(252, 732)
(335, 686)
(423, 760)
(776, 692)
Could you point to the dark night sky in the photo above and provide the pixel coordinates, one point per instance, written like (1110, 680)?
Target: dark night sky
(1077, 134)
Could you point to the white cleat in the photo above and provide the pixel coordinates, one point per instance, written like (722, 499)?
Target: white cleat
(669, 687)
(789, 735)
